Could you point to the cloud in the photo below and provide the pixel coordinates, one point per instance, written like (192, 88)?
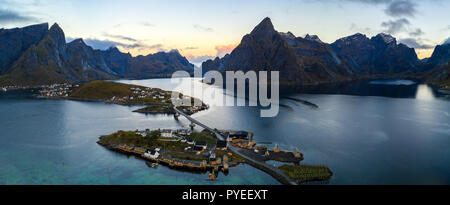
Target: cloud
(8, 16)
(190, 48)
(99, 44)
(120, 37)
(401, 8)
(155, 46)
(148, 24)
(105, 44)
(224, 49)
(372, 1)
(415, 43)
(395, 26)
(417, 32)
(201, 28)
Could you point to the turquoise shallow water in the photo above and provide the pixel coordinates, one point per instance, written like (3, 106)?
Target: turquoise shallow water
(53, 142)
(363, 139)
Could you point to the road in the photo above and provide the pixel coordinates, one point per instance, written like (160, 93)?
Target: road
(277, 173)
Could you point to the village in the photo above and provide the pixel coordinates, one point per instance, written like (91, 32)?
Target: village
(57, 90)
(185, 149)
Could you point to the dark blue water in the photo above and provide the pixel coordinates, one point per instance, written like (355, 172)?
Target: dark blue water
(363, 139)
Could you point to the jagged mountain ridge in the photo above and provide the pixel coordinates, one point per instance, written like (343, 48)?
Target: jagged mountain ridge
(43, 57)
(310, 61)
(299, 60)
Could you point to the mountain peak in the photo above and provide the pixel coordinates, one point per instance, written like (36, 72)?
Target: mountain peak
(264, 27)
(388, 39)
(175, 51)
(55, 26)
(288, 35)
(112, 49)
(313, 38)
(55, 29)
(77, 41)
(57, 34)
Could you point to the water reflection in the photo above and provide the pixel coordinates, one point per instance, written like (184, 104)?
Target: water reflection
(362, 137)
(424, 92)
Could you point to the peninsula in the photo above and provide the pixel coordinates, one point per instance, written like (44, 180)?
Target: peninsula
(155, 100)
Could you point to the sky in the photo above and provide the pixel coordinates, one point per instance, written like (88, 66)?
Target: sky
(201, 29)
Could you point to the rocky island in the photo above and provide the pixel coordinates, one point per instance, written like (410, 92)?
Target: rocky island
(188, 150)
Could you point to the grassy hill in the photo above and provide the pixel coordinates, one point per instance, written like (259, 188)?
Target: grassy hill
(103, 90)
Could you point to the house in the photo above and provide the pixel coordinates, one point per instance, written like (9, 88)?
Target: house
(212, 157)
(201, 144)
(184, 131)
(166, 133)
(221, 144)
(189, 141)
(241, 135)
(152, 154)
(143, 133)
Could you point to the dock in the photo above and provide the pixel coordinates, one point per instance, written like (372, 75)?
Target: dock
(173, 163)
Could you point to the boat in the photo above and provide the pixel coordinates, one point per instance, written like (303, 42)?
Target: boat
(212, 177)
(152, 165)
(4, 89)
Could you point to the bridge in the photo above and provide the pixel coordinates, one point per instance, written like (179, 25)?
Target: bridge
(273, 171)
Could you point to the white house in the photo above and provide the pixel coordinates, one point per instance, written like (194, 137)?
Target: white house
(152, 154)
(184, 131)
(166, 134)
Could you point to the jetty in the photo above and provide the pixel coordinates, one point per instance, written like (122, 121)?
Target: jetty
(272, 170)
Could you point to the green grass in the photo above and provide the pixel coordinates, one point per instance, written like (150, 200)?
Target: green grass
(125, 137)
(153, 141)
(159, 108)
(305, 173)
(209, 138)
(149, 142)
(103, 90)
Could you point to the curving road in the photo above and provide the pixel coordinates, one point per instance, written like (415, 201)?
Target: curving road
(277, 173)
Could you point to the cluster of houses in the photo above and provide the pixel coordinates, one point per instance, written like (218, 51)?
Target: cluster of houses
(193, 109)
(141, 93)
(57, 90)
(241, 139)
(15, 87)
(148, 92)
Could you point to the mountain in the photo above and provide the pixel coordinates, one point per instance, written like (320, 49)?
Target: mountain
(161, 64)
(439, 66)
(51, 60)
(299, 60)
(440, 56)
(16, 41)
(378, 55)
(40, 56)
(309, 60)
